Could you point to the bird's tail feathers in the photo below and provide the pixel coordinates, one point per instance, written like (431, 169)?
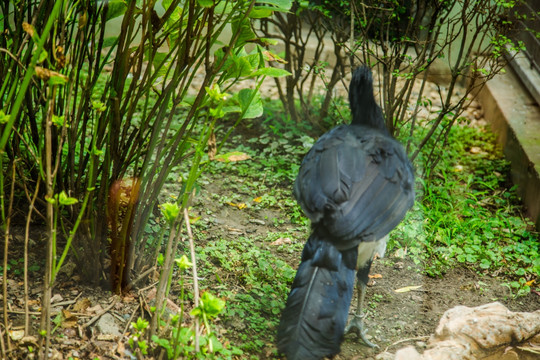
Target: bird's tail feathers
(313, 321)
(364, 108)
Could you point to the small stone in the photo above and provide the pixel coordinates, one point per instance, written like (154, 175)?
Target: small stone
(107, 325)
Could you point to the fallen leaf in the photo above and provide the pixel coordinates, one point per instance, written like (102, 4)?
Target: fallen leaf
(232, 156)
(375, 276)
(81, 305)
(281, 241)
(70, 320)
(29, 340)
(408, 288)
(239, 206)
(16, 335)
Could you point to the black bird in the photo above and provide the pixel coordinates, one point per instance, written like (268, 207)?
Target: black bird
(355, 185)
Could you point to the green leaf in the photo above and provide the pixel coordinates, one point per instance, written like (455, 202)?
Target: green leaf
(110, 41)
(271, 71)
(57, 80)
(206, 3)
(42, 56)
(64, 199)
(98, 106)
(245, 31)
(217, 113)
(170, 211)
(231, 109)
(116, 8)
(140, 325)
(183, 263)
(210, 306)
(280, 5)
(96, 151)
(58, 121)
(250, 102)
(214, 92)
(260, 12)
(485, 264)
(238, 67)
(4, 118)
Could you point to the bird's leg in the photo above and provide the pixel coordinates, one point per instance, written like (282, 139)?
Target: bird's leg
(357, 324)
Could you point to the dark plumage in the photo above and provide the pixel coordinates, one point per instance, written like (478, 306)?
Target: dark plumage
(355, 185)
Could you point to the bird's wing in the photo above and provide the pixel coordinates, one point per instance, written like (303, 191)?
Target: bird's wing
(357, 182)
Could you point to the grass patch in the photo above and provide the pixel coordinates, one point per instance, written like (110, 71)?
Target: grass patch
(257, 284)
(469, 214)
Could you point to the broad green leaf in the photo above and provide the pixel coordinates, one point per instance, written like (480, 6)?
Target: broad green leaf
(246, 33)
(271, 71)
(110, 41)
(256, 59)
(250, 102)
(231, 109)
(116, 8)
(485, 264)
(237, 67)
(260, 13)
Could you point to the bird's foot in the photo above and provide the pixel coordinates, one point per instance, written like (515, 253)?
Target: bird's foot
(357, 325)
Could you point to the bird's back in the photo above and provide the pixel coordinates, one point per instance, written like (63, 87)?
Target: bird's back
(356, 180)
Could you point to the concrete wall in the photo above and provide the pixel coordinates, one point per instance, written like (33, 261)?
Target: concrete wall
(515, 117)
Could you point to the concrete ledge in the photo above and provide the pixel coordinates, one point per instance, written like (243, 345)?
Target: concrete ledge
(515, 118)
